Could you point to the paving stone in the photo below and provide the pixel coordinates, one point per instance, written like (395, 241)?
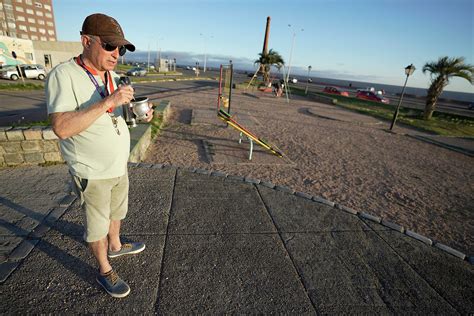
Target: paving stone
(450, 250)
(294, 214)
(6, 268)
(53, 157)
(357, 271)
(50, 145)
(267, 184)
(139, 174)
(323, 201)
(304, 195)
(393, 226)
(33, 133)
(243, 273)
(40, 231)
(419, 237)
(31, 145)
(56, 213)
(33, 158)
(12, 147)
(67, 280)
(9, 243)
(284, 189)
(347, 209)
(202, 171)
(15, 134)
(234, 178)
(49, 134)
(451, 277)
(370, 217)
(145, 165)
(23, 249)
(3, 135)
(13, 159)
(67, 200)
(250, 180)
(218, 174)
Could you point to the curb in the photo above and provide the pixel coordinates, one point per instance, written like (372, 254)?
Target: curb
(320, 200)
(466, 152)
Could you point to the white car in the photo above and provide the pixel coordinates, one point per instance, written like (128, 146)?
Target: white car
(294, 80)
(27, 71)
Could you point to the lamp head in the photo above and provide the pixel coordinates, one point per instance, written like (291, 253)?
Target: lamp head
(409, 70)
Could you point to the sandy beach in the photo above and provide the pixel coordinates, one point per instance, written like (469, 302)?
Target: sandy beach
(420, 186)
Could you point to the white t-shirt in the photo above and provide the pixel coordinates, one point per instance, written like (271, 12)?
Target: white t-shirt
(97, 152)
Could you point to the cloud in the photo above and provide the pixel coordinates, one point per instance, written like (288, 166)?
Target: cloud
(190, 59)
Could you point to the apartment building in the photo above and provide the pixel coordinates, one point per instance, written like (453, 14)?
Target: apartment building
(28, 19)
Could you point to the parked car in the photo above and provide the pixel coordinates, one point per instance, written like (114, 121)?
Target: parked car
(335, 90)
(27, 71)
(310, 80)
(371, 96)
(294, 80)
(137, 72)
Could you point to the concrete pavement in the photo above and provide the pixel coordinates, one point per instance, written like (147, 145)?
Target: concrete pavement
(217, 243)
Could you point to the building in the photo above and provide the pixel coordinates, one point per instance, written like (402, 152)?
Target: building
(27, 19)
(28, 35)
(48, 54)
(165, 65)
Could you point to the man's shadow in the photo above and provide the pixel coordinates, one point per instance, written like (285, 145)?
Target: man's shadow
(66, 228)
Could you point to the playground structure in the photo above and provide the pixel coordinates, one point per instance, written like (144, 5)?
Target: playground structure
(224, 101)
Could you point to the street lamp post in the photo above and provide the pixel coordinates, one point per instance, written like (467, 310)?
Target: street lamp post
(307, 80)
(409, 70)
(291, 54)
(205, 51)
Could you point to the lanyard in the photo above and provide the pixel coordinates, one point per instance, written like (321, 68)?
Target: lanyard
(108, 80)
(103, 94)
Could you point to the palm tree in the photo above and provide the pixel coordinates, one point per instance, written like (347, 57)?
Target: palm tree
(441, 71)
(272, 58)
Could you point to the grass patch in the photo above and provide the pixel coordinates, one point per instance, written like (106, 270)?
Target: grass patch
(442, 123)
(156, 124)
(31, 124)
(18, 86)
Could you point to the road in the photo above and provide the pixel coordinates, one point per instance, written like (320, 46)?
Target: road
(408, 102)
(17, 107)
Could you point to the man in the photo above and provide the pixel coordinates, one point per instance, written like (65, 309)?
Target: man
(84, 100)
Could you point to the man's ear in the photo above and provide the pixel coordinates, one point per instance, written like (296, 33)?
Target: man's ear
(86, 42)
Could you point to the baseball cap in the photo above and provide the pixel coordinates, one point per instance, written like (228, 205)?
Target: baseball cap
(107, 28)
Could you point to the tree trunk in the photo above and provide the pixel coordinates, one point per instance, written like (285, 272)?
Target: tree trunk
(434, 92)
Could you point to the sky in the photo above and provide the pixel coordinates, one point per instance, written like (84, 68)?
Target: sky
(360, 40)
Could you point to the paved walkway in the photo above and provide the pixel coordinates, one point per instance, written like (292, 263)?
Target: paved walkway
(219, 244)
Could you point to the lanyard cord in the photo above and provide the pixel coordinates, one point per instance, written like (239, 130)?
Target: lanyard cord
(102, 93)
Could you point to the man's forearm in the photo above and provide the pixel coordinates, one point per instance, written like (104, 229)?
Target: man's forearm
(67, 124)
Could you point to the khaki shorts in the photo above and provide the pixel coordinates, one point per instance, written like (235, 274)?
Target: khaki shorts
(101, 201)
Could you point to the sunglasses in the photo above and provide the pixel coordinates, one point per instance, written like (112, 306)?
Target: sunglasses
(111, 48)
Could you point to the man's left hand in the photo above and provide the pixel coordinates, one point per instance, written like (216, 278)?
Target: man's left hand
(149, 115)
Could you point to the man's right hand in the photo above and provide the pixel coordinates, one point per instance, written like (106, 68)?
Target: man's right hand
(122, 95)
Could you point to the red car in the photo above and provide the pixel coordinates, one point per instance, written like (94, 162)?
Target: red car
(335, 90)
(371, 96)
